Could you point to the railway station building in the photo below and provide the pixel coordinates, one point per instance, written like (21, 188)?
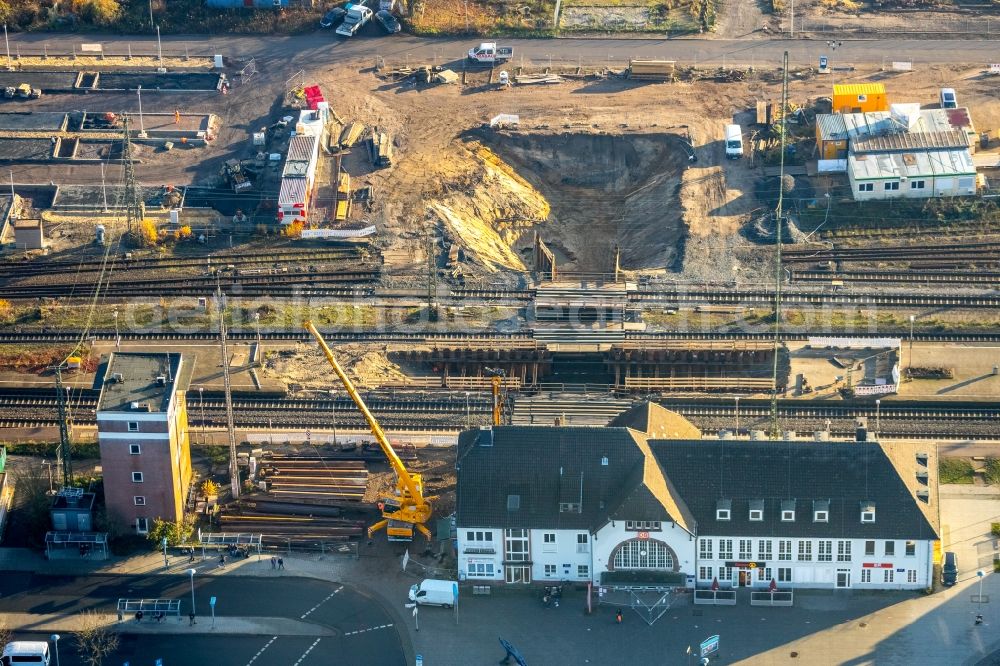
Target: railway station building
(142, 429)
(644, 504)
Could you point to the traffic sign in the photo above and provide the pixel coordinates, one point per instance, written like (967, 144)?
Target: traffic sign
(710, 645)
(454, 589)
(159, 662)
(211, 602)
(420, 660)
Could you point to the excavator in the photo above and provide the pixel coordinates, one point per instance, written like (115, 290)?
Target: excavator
(408, 508)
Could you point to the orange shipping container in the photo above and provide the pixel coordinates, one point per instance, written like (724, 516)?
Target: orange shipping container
(859, 98)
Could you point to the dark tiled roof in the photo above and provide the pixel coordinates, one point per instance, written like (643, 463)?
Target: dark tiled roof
(547, 466)
(845, 473)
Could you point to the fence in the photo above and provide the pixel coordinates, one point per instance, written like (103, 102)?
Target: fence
(129, 607)
(715, 597)
(771, 598)
(881, 26)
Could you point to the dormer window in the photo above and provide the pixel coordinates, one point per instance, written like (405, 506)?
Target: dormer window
(788, 511)
(569, 507)
(723, 509)
(756, 510)
(868, 512)
(821, 511)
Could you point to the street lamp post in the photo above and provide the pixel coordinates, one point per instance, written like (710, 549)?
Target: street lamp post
(737, 416)
(909, 361)
(159, 46)
(142, 130)
(878, 419)
(166, 562)
(468, 419)
(191, 572)
(7, 44)
(256, 323)
(55, 639)
(201, 402)
(118, 337)
(981, 575)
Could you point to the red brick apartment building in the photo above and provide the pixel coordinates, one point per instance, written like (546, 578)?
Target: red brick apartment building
(143, 433)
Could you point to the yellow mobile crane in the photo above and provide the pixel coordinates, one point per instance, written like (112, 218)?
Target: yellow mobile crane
(408, 508)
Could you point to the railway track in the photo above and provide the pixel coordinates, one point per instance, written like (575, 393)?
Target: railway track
(753, 297)
(38, 408)
(989, 251)
(487, 338)
(958, 278)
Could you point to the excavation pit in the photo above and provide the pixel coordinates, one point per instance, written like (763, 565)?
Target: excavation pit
(604, 191)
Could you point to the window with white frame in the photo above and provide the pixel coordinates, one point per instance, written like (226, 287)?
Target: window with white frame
(582, 571)
(768, 575)
(805, 550)
(911, 575)
(722, 514)
(549, 542)
(725, 549)
(821, 516)
(134, 449)
(890, 548)
(911, 548)
(785, 549)
(704, 573)
(136, 477)
(892, 187)
(843, 551)
(788, 516)
(139, 500)
(516, 545)
(866, 575)
(887, 575)
(756, 515)
(479, 569)
(746, 549)
(866, 187)
(142, 525)
(133, 426)
(550, 570)
(825, 553)
(642, 526)
(916, 184)
(868, 516)
(764, 550)
(643, 554)
(725, 574)
(704, 549)
(870, 547)
(582, 542)
(479, 535)
(784, 574)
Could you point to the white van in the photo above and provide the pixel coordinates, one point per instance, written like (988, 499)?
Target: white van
(432, 592)
(734, 142)
(25, 652)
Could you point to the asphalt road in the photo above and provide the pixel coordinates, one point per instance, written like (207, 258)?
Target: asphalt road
(322, 48)
(349, 613)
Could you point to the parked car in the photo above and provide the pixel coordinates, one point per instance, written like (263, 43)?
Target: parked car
(26, 652)
(949, 570)
(333, 18)
(357, 16)
(431, 592)
(948, 98)
(388, 22)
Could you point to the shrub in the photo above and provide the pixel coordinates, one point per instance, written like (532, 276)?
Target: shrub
(148, 234)
(209, 488)
(992, 471)
(995, 529)
(955, 470)
(996, 566)
(174, 532)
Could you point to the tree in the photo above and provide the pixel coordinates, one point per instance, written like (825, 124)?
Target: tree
(94, 639)
(99, 12)
(6, 308)
(33, 501)
(5, 634)
(148, 235)
(175, 533)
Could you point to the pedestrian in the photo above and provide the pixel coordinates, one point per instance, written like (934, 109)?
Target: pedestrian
(138, 616)
(191, 557)
(222, 560)
(191, 620)
(281, 563)
(274, 562)
(618, 616)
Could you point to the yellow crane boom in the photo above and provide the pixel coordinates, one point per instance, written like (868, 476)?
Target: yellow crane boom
(408, 508)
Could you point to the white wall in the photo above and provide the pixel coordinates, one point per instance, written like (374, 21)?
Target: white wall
(465, 558)
(816, 574)
(564, 554)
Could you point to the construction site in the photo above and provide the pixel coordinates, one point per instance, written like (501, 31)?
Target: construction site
(364, 264)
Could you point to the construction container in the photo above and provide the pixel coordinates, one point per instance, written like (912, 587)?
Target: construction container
(859, 98)
(656, 70)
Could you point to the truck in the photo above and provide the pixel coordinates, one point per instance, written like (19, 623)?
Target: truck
(734, 142)
(489, 53)
(357, 16)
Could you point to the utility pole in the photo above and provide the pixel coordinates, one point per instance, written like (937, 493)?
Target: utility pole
(65, 429)
(134, 206)
(779, 220)
(431, 313)
(234, 473)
